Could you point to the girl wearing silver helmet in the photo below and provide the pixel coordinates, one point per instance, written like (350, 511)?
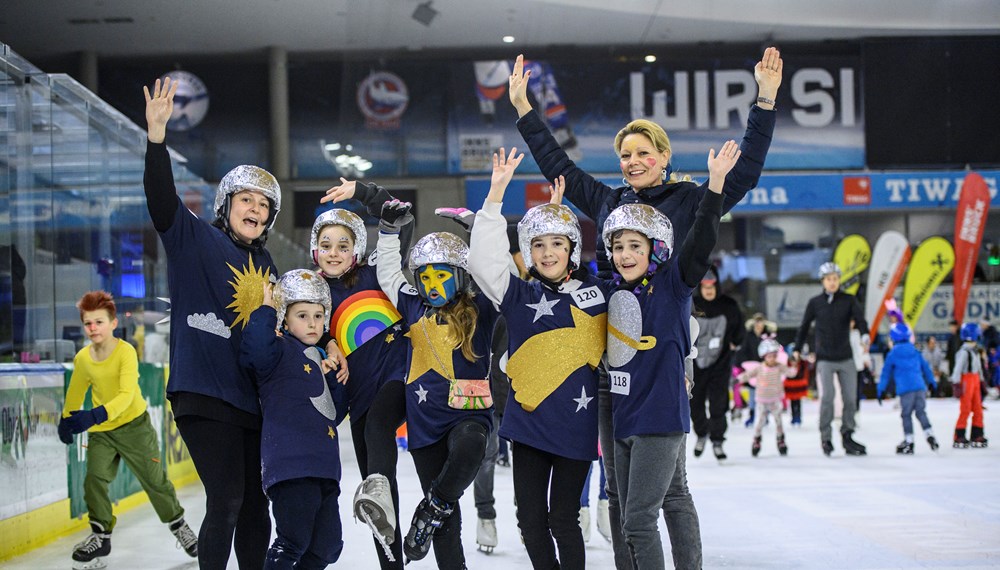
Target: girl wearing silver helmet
(556, 328)
(449, 406)
(302, 405)
(648, 341)
(216, 277)
(369, 330)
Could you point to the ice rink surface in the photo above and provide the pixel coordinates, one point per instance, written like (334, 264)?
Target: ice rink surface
(930, 510)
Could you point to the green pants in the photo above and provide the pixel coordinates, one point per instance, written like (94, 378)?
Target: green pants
(135, 442)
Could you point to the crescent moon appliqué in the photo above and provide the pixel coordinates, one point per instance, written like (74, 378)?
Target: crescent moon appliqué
(324, 402)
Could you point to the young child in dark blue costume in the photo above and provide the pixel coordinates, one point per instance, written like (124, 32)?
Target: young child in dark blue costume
(449, 407)
(302, 405)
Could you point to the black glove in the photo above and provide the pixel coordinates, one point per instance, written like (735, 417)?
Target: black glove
(82, 420)
(395, 215)
(65, 435)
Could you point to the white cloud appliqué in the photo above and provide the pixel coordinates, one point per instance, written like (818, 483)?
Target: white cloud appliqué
(210, 324)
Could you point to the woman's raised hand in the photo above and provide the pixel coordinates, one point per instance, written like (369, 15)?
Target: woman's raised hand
(767, 72)
(518, 88)
(159, 106)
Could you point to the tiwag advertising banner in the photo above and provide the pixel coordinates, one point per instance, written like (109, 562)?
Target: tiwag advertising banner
(701, 102)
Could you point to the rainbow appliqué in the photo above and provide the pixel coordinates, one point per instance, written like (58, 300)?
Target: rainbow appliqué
(360, 317)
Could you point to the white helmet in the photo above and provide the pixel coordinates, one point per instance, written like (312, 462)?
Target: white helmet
(828, 268)
(246, 177)
(549, 219)
(767, 346)
(339, 217)
(303, 286)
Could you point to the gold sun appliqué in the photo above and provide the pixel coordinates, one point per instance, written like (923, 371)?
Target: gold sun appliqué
(248, 292)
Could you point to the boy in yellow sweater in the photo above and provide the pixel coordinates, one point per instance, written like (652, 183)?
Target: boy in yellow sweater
(119, 429)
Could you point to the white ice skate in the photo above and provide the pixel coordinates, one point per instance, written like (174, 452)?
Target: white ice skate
(486, 535)
(604, 519)
(585, 523)
(90, 554)
(373, 504)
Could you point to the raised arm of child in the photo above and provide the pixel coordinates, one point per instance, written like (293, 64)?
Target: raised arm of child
(488, 245)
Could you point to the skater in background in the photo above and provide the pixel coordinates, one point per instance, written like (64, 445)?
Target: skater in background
(769, 377)
(934, 356)
(834, 313)
(966, 377)
(797, 385)
(912, 376)
(302, 405)
(449, 406)
(757, 328)
(119, 430)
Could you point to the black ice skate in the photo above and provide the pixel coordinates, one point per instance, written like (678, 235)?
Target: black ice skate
(852, 447)
(960, 441)
(186, 538)
(782, 447)
(827, 447)
(905, 448)
(717, 450)
(90, 553)
(699, 446)
(976, 438)
(429, 516)
(755, 448)
(931, 441)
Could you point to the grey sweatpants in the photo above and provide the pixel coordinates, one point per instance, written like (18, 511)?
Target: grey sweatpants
(652, 475)
(847, 375)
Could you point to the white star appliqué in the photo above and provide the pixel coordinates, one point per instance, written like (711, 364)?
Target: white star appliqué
(542, 308)
(421, 394)
(583, 400)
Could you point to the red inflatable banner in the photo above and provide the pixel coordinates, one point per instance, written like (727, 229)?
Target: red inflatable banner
(970, 220)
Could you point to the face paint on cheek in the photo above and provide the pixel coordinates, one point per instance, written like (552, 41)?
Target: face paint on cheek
(650, 162)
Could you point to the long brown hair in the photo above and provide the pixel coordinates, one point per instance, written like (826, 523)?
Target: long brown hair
(461, 317)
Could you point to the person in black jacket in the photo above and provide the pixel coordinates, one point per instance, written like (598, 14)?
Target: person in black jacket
(643, 150)
(721, 332)
(834, 311)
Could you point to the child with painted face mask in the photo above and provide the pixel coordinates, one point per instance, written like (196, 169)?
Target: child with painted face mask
(367, 328)
(556, 326)
(648, 340)
(449, 407)
(302, 405)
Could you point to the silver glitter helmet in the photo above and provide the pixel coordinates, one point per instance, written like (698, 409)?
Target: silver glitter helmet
(303, 286)
(549, 219)
(644, 219)
(439, 247)
(828, 268)
(767, 346)
(339, 217)
(253, 178)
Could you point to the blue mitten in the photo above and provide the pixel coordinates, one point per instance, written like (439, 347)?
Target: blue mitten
(65, 435)
(82, 420)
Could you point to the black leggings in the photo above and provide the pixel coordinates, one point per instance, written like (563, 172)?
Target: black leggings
(227, 458)
(547, 489)
(711, 385)
(375, 448)
(446, 468)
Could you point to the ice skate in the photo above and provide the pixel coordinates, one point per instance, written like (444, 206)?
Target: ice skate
(486, 535)
(749, 422)
(585, 523)
(960, 442)
(717, 450)
(699, 446)
(604, 519)
(186, 538)
(782, 447)
(429, 516)
(755, 448)
(905, 448)
(373, 504)
(90, 553)
(827, 447)
(976, 438)
(503, 460)
(852, 447)
(931, 441)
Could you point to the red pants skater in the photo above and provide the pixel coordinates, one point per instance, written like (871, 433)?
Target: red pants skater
(971, 403)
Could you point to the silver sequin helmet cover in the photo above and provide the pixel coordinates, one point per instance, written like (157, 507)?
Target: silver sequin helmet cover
(549, 219)
(253, 178)
(340, 217)
(641, 218)
(303, 286)
(828, 268)
(440, 247)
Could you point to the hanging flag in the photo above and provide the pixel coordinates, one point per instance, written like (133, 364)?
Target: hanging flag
(889, 259)
(970, 220)
(931, 263)
(852, 256)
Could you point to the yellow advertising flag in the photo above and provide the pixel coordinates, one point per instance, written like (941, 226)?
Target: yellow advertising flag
(852, 256)
(930, 264)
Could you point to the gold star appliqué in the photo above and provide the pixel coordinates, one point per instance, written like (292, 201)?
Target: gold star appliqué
(307, 368)
(389, 338)
(424, 358)
(248, 291)
(330, 432)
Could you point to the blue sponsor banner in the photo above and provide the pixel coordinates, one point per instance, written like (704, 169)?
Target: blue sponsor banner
(861, 191)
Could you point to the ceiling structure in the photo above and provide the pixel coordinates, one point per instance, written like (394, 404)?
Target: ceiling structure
(116, 28)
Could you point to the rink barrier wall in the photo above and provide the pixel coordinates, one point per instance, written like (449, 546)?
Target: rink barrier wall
(41, 479)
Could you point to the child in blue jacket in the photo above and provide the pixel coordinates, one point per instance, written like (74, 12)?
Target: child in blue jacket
(302, 406)
(913, 375)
